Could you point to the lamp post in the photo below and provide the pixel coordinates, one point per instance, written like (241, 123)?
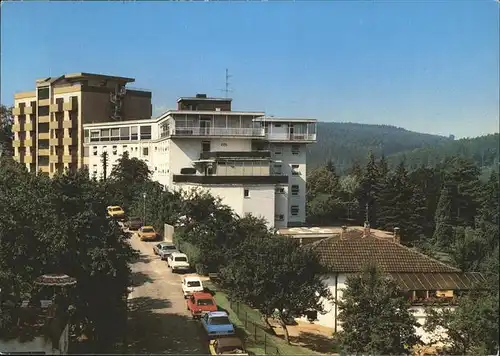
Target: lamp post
(144, 208)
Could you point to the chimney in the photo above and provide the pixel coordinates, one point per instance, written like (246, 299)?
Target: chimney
(342, 233)
(397, 236)
(366, 230)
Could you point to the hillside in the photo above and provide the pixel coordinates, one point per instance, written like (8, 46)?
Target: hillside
(483, 150)
(347, 142)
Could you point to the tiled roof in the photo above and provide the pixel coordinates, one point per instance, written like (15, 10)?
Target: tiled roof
(351, 254)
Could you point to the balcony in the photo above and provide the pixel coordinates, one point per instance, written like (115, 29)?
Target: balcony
(67, 124)
(44, 119)
(17, 143)
(18, 111)
(54, 125)
(16, 127)
(297, 137)
(54, 159)
(28, 159)
(43, 135)
(180, 178)
(43, 152)
(69, 158)
(28, 143)
(44, 168)
(217, 131)
(30, 110)
(236, 154)
(57, 107)
(55, 142)
(70, 105)
(69, 141)
(28, 126)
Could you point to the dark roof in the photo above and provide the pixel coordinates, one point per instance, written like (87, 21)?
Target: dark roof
(350, 255)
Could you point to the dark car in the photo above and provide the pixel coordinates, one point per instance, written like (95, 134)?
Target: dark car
(134, 223)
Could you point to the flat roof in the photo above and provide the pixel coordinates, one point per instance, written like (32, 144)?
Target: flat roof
(85, 75)
(202, 98)
(326, 231)
(283, 119)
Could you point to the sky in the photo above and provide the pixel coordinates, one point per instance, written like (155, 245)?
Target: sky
(427, 66)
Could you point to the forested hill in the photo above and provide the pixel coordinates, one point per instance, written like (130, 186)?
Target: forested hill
(483, 150)
(344, 143)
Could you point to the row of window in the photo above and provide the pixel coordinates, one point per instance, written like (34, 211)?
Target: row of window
(277, 169)
(278, 150)
(294, 190)
(114, 150)
(294, 211)
(132, 133)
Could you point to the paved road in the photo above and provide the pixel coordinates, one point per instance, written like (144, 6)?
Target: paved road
(158, 320)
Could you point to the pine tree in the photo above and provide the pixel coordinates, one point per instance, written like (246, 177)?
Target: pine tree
(444, 221)
(368, 189)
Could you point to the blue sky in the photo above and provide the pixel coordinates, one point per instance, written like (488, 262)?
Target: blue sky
(425, 66)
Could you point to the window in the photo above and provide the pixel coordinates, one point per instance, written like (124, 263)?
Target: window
(146, 132)
(115, 150)
(295, 189)
(86, 135)
(105, 135)
(85, 152)
(277, 169)
(115, 134)
(246, 193)
(94, 171)
(43, 110)
(294, 209)
(205, 146)
(295, 170)
(94, 150)
(124, 133)
(125, 148)
(133, 131)
(279, 190)
(59, 101)
(94, 135)
(295, 149)
(43, 144)
(277, 150)
(43, 93)
(277, 125)
(279, 217)
(145, 151)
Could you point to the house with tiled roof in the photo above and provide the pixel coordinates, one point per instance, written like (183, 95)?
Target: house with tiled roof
(422, 279)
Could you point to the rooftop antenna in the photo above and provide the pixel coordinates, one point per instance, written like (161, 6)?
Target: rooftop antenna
(226, 90)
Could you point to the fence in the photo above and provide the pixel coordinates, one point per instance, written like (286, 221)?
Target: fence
(255, 331)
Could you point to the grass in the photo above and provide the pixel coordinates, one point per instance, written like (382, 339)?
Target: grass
(258, 341)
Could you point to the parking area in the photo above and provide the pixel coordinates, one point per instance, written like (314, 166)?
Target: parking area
(158, 320)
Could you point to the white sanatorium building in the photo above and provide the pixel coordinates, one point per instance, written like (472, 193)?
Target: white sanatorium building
(256, 164)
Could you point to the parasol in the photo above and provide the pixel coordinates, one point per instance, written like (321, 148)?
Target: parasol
(55, 280)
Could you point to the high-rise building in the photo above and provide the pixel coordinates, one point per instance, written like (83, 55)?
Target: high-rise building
(255, 163)
(48, 122)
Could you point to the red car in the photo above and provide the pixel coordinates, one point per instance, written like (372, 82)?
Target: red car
(200, 303)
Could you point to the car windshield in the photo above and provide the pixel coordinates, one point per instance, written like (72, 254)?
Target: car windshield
(181, 259)
(219, 320)
(205, 302)
(168, 247)
(147, 230)
(193, 284)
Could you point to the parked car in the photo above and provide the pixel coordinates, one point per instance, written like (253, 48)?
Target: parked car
(230, 345)
(147, 233)
(133, 223)
(190, 285)
(178, 261)
(164, 249)
(217, 324)
(200, 303)
(116, 212)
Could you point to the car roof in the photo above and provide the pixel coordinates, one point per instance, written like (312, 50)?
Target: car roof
(148, 227)
(217, 313)
(203, 295)
(114, 206)
(166, 243)
(179, 254)
(191, 278)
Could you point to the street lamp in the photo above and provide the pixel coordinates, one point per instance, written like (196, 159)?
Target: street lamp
(144, 208)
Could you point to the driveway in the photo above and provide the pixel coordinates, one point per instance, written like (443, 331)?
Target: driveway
(158, 319)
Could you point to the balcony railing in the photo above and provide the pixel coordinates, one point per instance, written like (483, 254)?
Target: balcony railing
(290, 136)
(218, 131)
(235, 154)
(180, 178)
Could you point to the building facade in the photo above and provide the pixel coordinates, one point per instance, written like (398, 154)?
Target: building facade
(256, 164)
(48, 122)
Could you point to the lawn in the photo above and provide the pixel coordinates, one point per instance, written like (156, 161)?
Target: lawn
(258, 341)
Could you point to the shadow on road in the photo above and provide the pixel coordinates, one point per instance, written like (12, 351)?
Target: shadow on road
(151, 330)
(143, 258)
(140, 278)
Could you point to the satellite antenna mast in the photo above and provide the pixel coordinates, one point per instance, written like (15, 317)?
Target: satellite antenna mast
(226, 89)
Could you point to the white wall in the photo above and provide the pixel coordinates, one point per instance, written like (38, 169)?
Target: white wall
(260, 203)
(329, 319)
(281, 207)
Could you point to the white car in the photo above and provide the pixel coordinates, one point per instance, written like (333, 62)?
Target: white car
(190, 285)
(178, 261)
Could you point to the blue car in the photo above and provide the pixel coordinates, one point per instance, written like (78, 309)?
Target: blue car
(217, 324)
